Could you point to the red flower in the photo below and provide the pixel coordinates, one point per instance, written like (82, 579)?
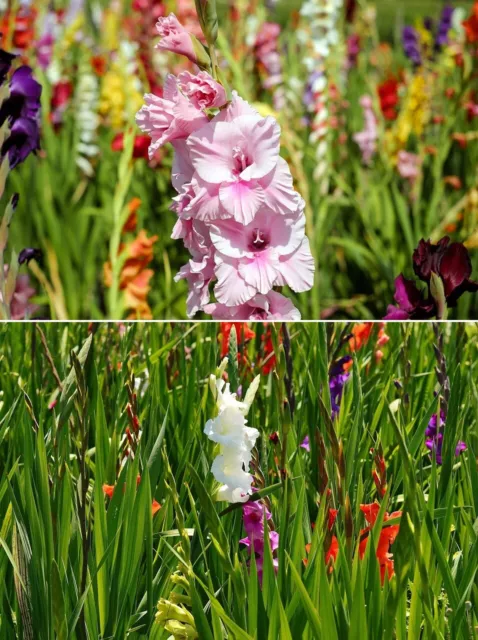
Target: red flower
(388, 95)
(243, 332)
(140, 148)
(471, 25)
(62, 92)
(388, 535)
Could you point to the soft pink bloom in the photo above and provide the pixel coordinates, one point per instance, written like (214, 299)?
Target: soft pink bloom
(195, 235)
(175, 38)
(236, 160)
(273, 306)
(20, 307)
(367, 138)
(202, 90)
(409, 166)
(250, 259)
(170, 118)
(199, 274)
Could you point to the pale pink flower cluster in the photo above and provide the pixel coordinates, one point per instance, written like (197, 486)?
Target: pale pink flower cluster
(367, 138)
(408, 166)
(238, 213)
(267, 53)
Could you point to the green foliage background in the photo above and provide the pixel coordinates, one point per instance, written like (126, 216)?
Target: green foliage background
(54, 524)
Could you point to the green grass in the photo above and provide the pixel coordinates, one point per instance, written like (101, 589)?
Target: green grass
(74, 564)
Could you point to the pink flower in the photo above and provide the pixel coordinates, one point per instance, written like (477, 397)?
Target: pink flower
(202, 90)
(199, 273)
(170, 118)
(408, 166)
(20, 307)
(250, 259)
(175, 38)
(273, 306)
(236, 160)
(367, 139)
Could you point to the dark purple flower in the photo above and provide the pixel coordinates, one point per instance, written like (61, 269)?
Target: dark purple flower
(23, 139)
(28, 254)
(6, 60)
(22, 110)
(411, 45)
(451, 262)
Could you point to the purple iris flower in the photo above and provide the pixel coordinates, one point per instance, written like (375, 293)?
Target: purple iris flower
(411, 45)
(434, 437)
(22, 110)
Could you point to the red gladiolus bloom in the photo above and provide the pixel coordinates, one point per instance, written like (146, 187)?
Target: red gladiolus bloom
(140, 148)
(388, 535)
(471, 25)
(388, 95)
(243, 332)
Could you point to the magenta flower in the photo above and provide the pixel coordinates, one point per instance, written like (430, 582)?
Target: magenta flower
(253, 518)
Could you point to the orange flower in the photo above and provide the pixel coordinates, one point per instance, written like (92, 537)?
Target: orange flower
(360, 335)
(108, 490)
(471, 25)
(388, 535)
(453, 181)
(134, 280)
(133, 206)
(333, 551)
(98, 64)
(243, 331)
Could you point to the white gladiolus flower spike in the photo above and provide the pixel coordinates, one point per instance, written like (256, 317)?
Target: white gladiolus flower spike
(236, 440)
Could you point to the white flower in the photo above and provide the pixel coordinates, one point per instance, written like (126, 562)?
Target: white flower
(236, 440)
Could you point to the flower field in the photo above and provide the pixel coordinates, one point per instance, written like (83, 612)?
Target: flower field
(238, 481)
(247, 160)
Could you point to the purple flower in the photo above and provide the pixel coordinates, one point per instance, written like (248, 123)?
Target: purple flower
(411, 45)
(22, 110)
(444, 26)
(306, 444)
(434, 437)
(6, 60)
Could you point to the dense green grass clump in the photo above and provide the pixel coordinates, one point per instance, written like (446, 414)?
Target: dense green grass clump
(77, 564)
